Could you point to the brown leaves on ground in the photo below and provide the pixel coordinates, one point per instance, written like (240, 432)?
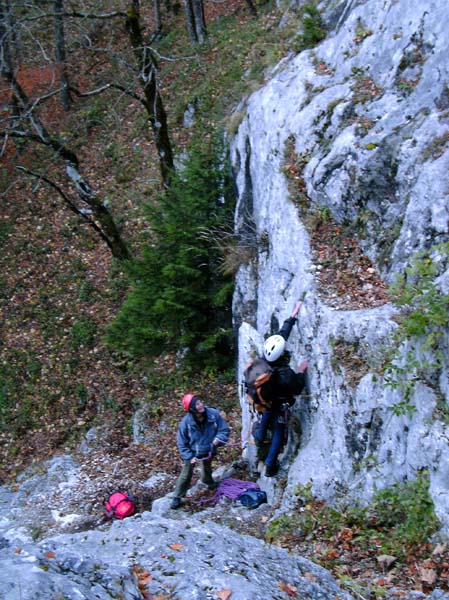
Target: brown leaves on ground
(349, 558)
(55, 273)
(144, 578)
(288, 589)
(177, 547)
(346, 277)
(59, 285)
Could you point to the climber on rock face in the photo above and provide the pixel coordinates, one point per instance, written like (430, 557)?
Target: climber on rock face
(275, 393)
(200, 433)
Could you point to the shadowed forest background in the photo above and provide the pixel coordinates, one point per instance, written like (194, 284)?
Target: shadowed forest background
(103, 105)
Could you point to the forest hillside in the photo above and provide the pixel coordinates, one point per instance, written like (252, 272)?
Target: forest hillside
(174, 177)
(62, 284)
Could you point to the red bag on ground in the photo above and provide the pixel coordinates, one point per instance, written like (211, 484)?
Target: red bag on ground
(119, 505)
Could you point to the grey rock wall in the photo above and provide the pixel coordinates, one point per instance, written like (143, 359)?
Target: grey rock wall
(368, 108)
(178, 557)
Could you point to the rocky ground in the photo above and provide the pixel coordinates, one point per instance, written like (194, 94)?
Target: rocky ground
(149, 472)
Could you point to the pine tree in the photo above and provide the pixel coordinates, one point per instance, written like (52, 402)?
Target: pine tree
(179, 297)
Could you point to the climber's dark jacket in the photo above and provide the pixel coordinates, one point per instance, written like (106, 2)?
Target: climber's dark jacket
(284, 383)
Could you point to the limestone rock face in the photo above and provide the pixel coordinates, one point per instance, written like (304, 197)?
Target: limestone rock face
(159, 553)
(365, 117)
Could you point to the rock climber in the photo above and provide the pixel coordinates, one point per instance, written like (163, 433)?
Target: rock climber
(201, 431)
(281, 388)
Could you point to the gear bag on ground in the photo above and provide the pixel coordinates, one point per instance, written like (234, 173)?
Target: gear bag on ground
(119, 505)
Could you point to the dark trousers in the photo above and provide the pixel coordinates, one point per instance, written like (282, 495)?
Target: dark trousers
(185, 477)
(274, 420)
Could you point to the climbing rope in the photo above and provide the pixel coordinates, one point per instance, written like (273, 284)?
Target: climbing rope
(228, 488)
(210, 455)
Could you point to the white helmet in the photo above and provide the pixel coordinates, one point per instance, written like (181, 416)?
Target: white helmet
(273, 347)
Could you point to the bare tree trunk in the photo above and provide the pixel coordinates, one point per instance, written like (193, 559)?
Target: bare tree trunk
(200, 21)
(6, 29)
(196, 23)
(157, 16)
(61, 54)
(172, 7)
(153, 101)
(252, 7)
(9, 22)
(190, 20)
(105, 221)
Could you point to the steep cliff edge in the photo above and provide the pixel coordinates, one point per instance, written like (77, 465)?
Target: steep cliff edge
(352, 133)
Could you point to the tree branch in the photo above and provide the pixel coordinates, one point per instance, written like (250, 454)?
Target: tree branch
(65, 153)
(105, 87)
(74, 15)
(43, 98)
(72, 206)
(27, 135)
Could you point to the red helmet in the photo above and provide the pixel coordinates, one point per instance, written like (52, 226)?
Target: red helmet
(186, 400)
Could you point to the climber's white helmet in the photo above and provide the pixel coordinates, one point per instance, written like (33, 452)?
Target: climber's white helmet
(273, 347)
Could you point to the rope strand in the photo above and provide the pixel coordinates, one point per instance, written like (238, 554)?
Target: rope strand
(210, 455)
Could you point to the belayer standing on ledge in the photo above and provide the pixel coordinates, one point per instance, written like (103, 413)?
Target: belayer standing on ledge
(200, 433)
(272, 386)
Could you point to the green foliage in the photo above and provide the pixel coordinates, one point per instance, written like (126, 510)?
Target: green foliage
(83, 332)
(4, 178)
(241, 52)
(312, 29)
(114, 151)
(5, 230)
(179, 298)
(17, 416)
(87, 291)
(364, 88)
(283, 525)
(436, 147)
(117, 282)
(361, 32)
(425, 318)
(406, 512)
(399, 518)
(95, 113)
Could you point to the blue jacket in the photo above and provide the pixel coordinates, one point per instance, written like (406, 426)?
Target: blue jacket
(195, 439)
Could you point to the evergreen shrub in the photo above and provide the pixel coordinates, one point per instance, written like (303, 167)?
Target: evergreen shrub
(422, 325)
(179, 300)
